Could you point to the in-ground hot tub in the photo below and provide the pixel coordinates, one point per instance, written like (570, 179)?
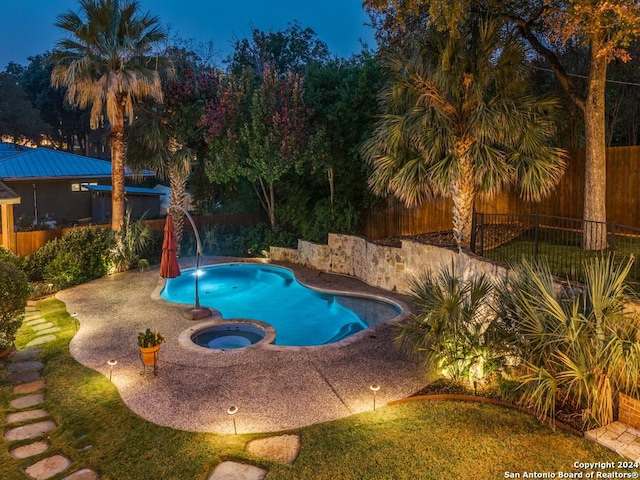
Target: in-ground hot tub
(227, 335)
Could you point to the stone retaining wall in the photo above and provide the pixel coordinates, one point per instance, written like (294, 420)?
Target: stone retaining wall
(382, 266)
(629, 410)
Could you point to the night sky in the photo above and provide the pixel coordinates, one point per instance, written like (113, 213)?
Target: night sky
(26, 26)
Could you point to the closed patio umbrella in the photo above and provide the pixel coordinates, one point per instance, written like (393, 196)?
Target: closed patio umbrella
(169, 267)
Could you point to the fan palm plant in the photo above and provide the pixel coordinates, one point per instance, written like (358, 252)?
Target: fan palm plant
(106, 62)
(449, 327)
(458, 118)
(577, 346)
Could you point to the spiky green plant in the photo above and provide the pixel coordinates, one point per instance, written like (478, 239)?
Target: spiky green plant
(448, 329)
(578, 346)
(130, 244)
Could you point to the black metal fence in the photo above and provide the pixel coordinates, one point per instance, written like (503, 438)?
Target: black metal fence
(564, 243)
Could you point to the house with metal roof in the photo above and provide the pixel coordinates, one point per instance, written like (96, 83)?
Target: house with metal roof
(54, 185)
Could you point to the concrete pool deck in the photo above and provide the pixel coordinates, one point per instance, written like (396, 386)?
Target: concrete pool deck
(274, 389)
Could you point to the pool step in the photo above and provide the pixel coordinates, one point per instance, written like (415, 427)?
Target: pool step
(345, 331)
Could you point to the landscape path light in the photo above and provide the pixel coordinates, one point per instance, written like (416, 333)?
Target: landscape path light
(232, 411)
(374, 389)
(112, 363)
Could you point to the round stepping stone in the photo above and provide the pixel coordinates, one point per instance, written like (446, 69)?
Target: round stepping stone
(30, 387)
(283, 448)
(26, 354)
(49, 330)
(42, 326)
(84, 474)
(24, 366)
(237, 471)
(33, 430)
(29, 450)
(27, 401)
(48, 467)
(24, 377)
(19, 417)
(41, 340)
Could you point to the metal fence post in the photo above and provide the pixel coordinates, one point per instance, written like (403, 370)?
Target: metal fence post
(481, 232)
(536, 235)
(473, 231)
(612, 239)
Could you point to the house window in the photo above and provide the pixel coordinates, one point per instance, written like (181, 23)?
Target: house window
(81, 187)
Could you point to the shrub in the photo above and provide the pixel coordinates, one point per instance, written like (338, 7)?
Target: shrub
(239, 241)
(341, 217)
(578, 346)
(8, 256)
(450, 327)
(130, 244)
(14, 291)
(86, 250)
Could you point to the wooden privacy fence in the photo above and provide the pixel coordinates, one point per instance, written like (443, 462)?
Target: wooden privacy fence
(29, 242)
(623, 200)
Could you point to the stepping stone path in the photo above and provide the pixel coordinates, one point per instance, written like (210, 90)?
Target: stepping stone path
(26, 423)
(281, 448)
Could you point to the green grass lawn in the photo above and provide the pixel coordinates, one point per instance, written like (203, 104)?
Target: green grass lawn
(562, 250)
(417, 440)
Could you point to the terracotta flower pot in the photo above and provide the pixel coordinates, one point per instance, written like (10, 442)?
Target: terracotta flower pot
(150, 355)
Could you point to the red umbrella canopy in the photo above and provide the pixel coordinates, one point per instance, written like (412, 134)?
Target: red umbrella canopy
(169, 267)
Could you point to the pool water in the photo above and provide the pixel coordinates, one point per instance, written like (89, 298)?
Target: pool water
(301, 316)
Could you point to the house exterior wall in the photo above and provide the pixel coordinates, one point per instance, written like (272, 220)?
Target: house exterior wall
(147, 205)
(53, 197)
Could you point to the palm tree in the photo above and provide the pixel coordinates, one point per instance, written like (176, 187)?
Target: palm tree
(154, 145)
(576, 346)
(458, 118)
(105, 62)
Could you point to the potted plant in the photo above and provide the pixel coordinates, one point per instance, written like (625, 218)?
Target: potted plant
(149, 343)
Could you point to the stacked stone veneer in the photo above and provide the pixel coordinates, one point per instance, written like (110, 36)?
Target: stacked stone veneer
(629, 410)
(381, 266)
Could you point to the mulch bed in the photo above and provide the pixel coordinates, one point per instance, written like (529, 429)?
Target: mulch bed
(494, 236)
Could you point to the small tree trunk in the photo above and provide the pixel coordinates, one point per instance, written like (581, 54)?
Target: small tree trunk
(331, 184)
(272, 205)
(178, 184)
(595, 235)
(463, 193)
(118, 145)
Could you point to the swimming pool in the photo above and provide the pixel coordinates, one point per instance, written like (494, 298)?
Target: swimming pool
(301, 316)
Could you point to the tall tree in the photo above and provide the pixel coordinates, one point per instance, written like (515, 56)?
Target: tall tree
(68, 126)
(459, 118)
(19, 120)
(164, 138)
(290, 49)
(106, 62)
(258, 134)
(606, 28)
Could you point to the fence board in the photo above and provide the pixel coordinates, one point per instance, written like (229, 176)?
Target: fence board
(29, 242)
(623, 202)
